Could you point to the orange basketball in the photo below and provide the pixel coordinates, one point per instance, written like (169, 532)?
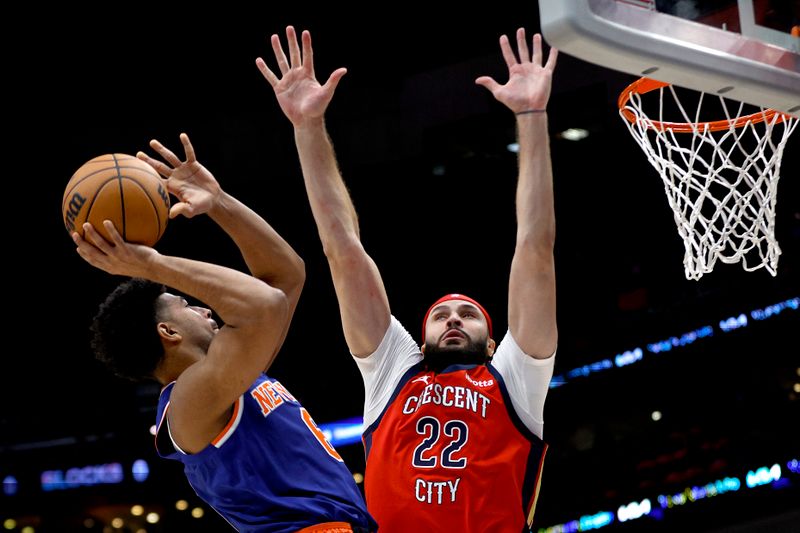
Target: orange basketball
(122, 189)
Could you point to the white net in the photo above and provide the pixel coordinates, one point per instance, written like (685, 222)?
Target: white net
(721, 185)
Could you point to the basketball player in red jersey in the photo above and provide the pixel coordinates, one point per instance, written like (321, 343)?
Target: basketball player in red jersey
(454, 428)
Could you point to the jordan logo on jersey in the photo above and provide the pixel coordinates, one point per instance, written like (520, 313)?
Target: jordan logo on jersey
(271, 394)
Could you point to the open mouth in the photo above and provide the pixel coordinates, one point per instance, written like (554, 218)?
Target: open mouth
(453, 334)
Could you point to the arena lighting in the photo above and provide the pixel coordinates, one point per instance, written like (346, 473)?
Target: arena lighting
(664, 503)
(343, 432)
(513, 148)
(634, 510)
(85, 476)
(676, 342)
(763, 476)
(573, 134)
(634, 355)
(628, 358)
(733, 323)
(595, 521)
(10, 485)
(772, 310)
(696, 493)
(140, 470)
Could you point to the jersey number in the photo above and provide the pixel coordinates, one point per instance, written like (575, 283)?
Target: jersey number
(319, 435)
(430, 427)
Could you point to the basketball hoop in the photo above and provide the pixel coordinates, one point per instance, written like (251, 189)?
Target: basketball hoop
(721, 176)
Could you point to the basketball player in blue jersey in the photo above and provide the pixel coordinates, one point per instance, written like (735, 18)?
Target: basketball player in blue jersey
(248, 447)
(454, 436)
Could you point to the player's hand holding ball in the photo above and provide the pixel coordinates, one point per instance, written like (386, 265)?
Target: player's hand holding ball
(122, 189)
(195, 187)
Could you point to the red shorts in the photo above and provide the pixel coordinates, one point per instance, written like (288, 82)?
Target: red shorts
(328, 527)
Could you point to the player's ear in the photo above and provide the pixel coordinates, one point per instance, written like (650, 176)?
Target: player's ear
(167, 333)
(490, 346)
(422, 348)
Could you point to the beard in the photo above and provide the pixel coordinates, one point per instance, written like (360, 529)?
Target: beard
(437, 358)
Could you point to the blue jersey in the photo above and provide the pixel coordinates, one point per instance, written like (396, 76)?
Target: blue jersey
(270, 469)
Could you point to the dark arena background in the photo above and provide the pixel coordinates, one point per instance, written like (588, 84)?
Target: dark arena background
(675, 405)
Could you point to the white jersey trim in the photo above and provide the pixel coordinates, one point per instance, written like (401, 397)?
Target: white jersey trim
(383, 369)
(217, 441)
(527, 379)
(169, 432)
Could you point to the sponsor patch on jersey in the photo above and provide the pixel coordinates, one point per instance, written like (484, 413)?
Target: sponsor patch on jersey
(480, 382)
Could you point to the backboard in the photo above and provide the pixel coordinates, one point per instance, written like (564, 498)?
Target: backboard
(746, 50)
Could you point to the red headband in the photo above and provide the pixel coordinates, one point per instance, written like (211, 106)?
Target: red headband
(447, 298)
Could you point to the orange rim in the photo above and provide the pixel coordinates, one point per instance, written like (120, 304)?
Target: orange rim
(645, 85)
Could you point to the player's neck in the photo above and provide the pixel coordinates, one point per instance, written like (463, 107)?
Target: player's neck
(439, 360)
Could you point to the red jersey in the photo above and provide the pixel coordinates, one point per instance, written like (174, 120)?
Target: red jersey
(449, 453)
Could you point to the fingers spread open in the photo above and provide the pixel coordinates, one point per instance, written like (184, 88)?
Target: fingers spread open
(160, 167)
(270, 76)
(537, 49)
(508, 54)
(522, 47)
(308, 54)
(188, 149)
(294, 48)
(181, 208)
(280, 57)
(488, 82)
(551, 59)
(334, 78)
(166, 153)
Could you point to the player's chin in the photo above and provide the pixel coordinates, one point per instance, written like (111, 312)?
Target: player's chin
(449, 346)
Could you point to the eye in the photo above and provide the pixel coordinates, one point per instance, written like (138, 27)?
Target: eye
(469, 314)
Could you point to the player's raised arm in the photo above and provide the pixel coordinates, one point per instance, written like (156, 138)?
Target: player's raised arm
(532, 296)
(268, 256)
(363, 303)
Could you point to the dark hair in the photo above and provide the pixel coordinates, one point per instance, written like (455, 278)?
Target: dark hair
(124, 335)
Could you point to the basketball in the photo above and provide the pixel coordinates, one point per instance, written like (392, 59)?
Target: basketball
(122, 189)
